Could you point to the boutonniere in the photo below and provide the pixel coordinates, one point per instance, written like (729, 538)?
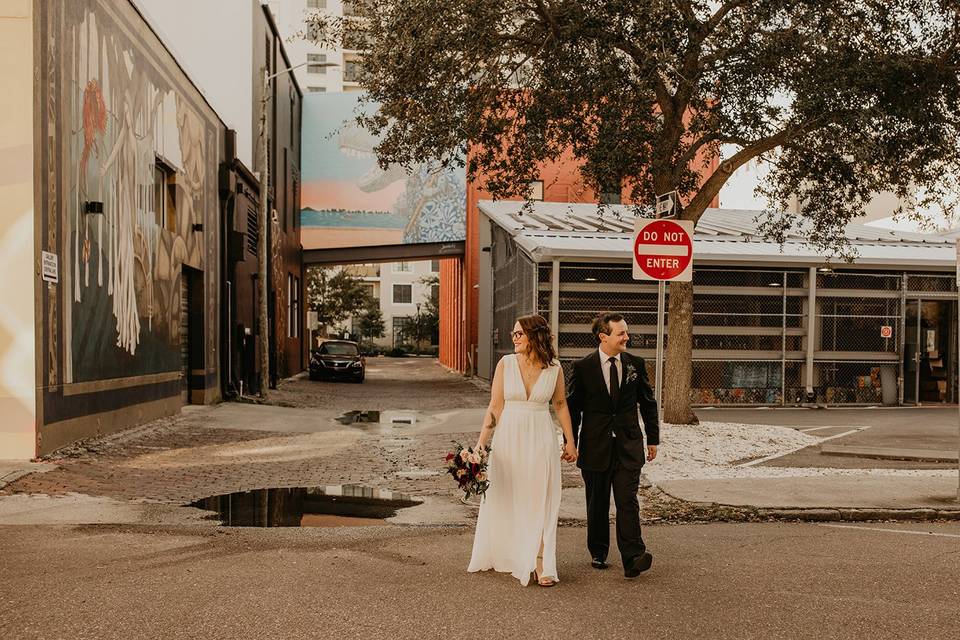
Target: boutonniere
(631, 372)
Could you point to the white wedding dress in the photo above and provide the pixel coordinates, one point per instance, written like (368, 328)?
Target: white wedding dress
(521, 505)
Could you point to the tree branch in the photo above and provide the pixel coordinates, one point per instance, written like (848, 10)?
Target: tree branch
(711, 188)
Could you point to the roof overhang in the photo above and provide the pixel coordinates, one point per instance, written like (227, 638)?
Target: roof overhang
(723, 237)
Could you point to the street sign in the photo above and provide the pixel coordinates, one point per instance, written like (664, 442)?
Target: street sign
(886, 331)
(49, 267)
(667, 204)
(663, 250)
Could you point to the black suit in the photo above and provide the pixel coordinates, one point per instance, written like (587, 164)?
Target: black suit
(611, 449)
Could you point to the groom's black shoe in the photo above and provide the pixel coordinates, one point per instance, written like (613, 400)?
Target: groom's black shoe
(638, 565)
(599, 563)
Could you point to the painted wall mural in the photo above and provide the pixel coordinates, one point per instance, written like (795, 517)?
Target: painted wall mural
(140, 147)
(348, 200)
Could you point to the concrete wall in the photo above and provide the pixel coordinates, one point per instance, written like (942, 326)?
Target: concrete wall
(214, 48)
(17, 260)
(114, 106)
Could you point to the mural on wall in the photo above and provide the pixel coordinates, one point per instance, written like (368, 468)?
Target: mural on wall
(348, 199)
(140, 148)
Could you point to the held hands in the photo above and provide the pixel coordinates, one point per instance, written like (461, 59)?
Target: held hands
(569, 452)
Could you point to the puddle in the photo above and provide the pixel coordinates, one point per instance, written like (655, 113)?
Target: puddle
(359, 417)
(393, 418)
(329, 506)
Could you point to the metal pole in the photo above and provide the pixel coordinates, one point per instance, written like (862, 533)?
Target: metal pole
(958, 361)
(658, 374)
(262, 244)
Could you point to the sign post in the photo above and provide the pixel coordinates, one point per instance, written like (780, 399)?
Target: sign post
(662, 251)
(958, 365)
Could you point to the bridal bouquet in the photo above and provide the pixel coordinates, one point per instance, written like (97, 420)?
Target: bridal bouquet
(469, 469)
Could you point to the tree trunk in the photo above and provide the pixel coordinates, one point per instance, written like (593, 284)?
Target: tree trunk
(678, 365)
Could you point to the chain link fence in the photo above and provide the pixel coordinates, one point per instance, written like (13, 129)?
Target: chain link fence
(514, 290)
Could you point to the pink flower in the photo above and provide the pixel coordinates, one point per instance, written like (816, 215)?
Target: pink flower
(464, 455)
(482, 477)
(461, 473)
(474, 458)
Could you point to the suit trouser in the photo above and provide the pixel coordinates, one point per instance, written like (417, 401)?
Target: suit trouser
(625, 485)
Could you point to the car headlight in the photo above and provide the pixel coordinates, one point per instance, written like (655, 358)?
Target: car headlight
(356, 364)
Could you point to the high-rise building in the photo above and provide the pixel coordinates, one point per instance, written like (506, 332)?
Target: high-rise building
(315, 76)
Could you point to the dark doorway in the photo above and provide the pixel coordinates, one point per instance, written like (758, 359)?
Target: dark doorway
(191, 335)
(929, 344)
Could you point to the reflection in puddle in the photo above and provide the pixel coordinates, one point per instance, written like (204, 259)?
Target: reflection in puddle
(359, 417)
(329, 506)
(399, 418)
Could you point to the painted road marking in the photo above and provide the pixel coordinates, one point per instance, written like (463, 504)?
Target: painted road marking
(915, 533)
(753, 463)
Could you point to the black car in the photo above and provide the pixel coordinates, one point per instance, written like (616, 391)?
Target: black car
(337, 359)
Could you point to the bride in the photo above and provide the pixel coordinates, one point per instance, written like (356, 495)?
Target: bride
(517, 524)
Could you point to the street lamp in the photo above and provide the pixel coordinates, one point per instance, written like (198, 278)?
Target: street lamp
(416, 346)
(262, 246)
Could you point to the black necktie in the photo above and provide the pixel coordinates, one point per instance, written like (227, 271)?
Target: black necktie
(614, 381)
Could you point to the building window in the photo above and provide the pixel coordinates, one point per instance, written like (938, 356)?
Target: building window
(289, 305)
(164, 196)
(435, 294)
(296, 307)
(352, 70)
(434, 266)
(317, 63)
(402, 326)
(317, 89)
(316, 4)
(402, 293)
(536, 190)
(402, 267)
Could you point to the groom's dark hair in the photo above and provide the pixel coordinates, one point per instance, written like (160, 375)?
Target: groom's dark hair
(601, 324)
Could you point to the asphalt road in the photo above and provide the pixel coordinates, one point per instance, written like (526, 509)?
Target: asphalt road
(889, 428)
(708, 581)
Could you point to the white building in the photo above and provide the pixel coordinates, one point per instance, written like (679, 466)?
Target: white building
(400, 289)
(289, 16)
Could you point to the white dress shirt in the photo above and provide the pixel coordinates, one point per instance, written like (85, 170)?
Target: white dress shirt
(605, 367)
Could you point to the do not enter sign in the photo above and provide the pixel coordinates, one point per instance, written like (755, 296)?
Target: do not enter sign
(663, 250)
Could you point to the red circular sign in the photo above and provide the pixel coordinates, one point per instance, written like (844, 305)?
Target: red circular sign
(663, 249)
(886, 332)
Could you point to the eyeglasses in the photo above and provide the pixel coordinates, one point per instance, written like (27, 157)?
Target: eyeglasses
(516, 335)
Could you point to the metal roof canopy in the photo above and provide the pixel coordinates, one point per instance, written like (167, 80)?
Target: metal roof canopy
(384, 253)
(557, 230)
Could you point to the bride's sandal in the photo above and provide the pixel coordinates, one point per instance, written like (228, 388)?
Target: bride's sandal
(543, 582)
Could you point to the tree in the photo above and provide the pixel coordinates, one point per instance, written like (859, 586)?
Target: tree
(335, 294)
(843, 99)
(427, 320)
(371, 321)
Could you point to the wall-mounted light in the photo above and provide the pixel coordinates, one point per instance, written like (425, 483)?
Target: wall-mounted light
(92, 206)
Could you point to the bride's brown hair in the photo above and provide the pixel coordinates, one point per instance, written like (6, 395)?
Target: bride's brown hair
(539, 339)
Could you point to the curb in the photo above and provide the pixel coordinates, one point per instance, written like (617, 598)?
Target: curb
(734, 512)
(859, 515)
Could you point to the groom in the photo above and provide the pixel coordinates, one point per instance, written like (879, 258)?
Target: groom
(606, 389)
